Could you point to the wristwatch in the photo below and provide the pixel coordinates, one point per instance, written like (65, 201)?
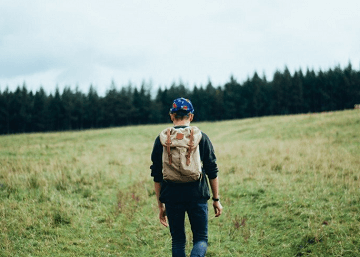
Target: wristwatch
(216, 199)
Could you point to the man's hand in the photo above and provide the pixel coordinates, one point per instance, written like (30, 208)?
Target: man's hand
(217, 208)
(162, 211)
(162, 215)
(214, 183)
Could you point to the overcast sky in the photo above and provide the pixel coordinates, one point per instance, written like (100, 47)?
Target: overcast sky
(78, 42)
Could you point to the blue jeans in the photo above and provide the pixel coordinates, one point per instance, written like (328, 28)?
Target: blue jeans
(198, 217)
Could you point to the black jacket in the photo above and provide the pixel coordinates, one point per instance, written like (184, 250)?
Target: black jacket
(185, 192)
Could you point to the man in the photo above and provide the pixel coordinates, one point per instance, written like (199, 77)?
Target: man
(180, 194)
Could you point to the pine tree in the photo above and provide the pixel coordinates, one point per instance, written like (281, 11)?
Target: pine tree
(4, 112)
(67, 99)
(310, 91)
(78, 111)
(233, 101)
(40, 122)
(278, 93)
(92, 113)
(297, 98)
(56, 112)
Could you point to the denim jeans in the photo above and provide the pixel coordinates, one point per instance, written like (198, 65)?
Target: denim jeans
(198, 217)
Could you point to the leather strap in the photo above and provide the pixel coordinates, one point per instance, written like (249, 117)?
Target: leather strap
(168, 143)
(191, 146)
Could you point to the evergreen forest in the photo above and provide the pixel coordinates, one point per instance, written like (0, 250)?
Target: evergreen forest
(24, 111)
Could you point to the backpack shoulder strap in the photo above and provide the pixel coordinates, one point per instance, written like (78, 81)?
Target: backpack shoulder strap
(168, 143)
(191, 146)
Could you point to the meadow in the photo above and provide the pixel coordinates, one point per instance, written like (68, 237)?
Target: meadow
(289, 186)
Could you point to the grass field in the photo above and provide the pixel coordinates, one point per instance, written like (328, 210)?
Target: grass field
(289, 186)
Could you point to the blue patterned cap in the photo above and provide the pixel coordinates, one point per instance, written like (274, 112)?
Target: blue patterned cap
(182, 104)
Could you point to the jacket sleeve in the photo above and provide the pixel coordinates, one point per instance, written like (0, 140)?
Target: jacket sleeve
(156, 158)
(208, 157)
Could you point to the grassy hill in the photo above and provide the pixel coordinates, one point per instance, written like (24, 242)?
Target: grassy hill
(289, 186)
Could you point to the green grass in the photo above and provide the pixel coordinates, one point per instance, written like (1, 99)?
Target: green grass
(289, 186)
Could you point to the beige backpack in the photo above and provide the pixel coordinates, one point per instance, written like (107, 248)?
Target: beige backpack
(181, 156)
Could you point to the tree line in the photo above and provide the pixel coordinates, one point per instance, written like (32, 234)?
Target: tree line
(23, 111)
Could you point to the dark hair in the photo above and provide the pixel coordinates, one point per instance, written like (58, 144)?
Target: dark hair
(181, 114)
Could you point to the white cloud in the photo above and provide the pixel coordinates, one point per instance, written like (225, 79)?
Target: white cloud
(83, 42)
